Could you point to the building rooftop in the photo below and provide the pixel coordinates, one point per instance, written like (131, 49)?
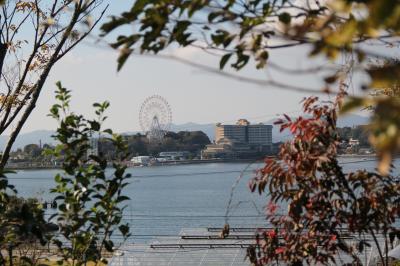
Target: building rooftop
(240, 122)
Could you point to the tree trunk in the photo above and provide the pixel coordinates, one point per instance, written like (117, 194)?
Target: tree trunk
(38, 87)
(3, 52)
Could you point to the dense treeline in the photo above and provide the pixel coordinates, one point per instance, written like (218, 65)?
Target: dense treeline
(31, 152)
(191, 141)
(360, 133)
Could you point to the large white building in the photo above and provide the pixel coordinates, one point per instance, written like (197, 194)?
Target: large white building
(240, 140)
(257, 135)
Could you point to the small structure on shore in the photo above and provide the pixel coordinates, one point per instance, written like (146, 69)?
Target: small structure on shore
(141, 160)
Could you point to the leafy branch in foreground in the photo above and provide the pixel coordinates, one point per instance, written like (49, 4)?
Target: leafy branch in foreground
(24, 231)
(89, 195)
(22, 225)
(325, 205)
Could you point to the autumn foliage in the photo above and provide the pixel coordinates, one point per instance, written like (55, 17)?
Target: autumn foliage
(325, 205)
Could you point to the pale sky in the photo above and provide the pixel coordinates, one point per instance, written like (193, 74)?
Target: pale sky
(194, 95)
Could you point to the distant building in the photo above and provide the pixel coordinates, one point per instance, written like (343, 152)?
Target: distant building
(174, 155)
(226, 148)
(240, 140)
(141, 160)
(354, 142)
(258, 136)
(93, 147)
(365, 151)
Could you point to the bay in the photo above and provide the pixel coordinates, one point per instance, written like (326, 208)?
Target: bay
(166, 199)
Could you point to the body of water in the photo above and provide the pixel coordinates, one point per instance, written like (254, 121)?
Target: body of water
(166, 199)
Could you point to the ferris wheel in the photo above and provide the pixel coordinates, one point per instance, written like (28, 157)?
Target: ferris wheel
(155, 117)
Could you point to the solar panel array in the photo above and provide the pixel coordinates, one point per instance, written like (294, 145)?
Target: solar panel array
(203, 247)
(191, 247)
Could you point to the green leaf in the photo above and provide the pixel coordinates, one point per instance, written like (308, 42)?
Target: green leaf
(124, 229)
(285, 18)
(58, 178)
(112, 25)
(108, 131)
(224, 60)
(122, 198)
(266, 9)
(125, 53)
(213, 15)
(108, 244)
(242, 60)
(262, 59)
(139, 6)
(95, 126)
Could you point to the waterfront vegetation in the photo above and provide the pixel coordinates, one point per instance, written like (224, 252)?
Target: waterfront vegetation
(34, 156)
(192, 142)
(88, 203)
(138, 145)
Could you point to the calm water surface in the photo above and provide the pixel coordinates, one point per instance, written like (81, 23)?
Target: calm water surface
(165, 199)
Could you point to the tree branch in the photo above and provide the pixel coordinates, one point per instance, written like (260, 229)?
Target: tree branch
(39, 84)
(259, 82)
(83, 36)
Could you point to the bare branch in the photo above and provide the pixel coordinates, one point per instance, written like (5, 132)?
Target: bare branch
(84, 35)
(259, 82)
(29, 100)
(19, 25)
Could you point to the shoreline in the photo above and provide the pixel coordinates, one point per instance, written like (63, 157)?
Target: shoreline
(373, 155)
(129, 165)
(32, 166)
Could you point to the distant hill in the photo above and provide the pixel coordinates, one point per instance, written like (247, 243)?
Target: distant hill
(343, 121)
(29, 138)
(352, 120)
(209, 129)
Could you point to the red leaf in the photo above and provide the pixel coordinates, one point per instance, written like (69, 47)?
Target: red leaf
(279, 250)
(287, 117)
(293, 128)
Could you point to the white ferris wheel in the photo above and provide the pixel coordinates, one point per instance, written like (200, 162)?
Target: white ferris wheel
(155, 117)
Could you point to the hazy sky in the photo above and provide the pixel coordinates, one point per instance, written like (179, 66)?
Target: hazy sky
(194, 95)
